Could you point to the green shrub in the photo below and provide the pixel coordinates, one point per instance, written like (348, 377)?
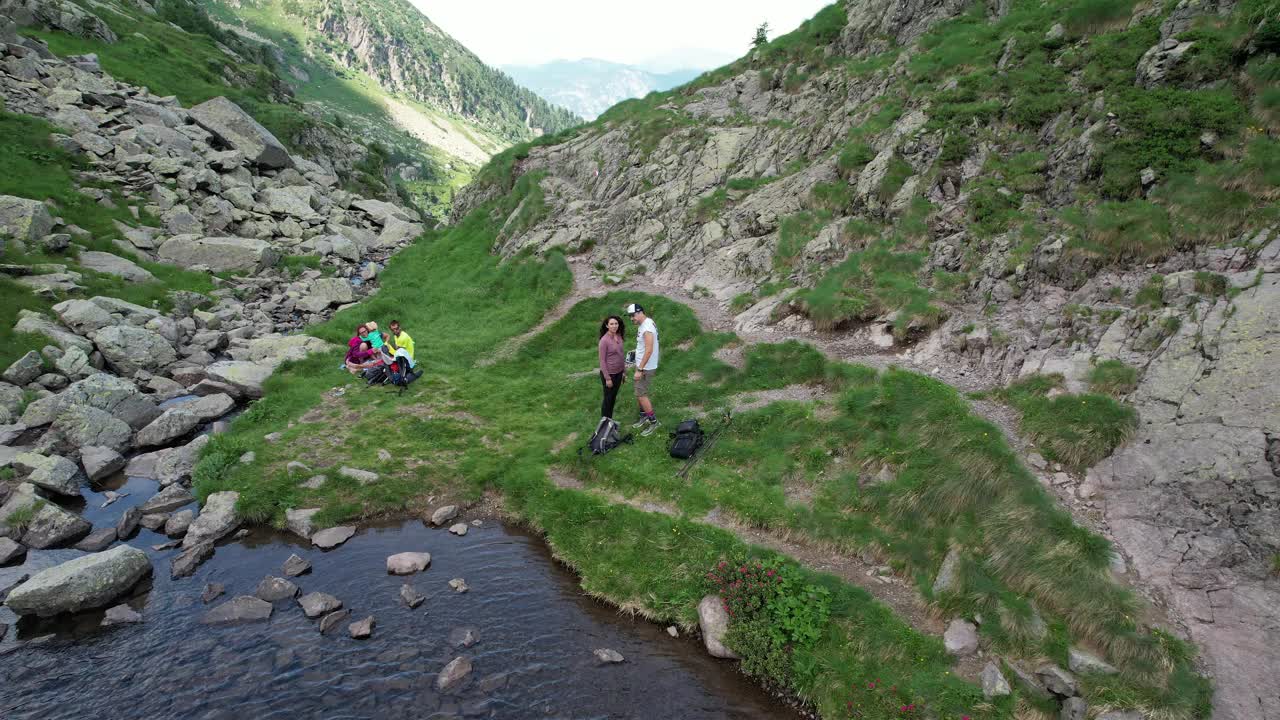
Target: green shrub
(1113, 377)
(854, 156)
(742, 301)
(833, 196)
(1134, 230)
(794, 232)
(1075, 430)
(1152, 293)
(955, 148)
(870, 283)
(1211, 284)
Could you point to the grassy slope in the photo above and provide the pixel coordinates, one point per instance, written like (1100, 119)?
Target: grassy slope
(462, 429)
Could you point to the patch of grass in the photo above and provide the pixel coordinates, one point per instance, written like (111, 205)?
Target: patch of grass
(19, 519)
(1122, 232)
(1086, 16)
(834, 197)
(868, 284)
(295, 265)
(1113, 377)
(1075, 430)
(710, 205)
(1210, 283)
(794, 232)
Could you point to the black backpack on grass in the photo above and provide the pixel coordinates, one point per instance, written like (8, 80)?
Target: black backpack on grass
(375, 375)
(686, 440)
(606, 437)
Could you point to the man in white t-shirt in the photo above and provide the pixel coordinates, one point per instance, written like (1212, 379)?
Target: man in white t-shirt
(646, 360)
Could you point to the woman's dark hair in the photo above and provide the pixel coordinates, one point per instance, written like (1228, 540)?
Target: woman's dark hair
(359, 328)
(604, 326)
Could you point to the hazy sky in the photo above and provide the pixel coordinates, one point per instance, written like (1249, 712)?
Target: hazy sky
(506, 32)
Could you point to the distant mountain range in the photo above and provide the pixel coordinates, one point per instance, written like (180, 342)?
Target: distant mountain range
(588, 87)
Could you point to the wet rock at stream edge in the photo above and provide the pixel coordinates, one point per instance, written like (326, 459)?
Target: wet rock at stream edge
(85, 582)
(463, 637)
(217, 519)
(299, 522)
(179, 523)
(11, 553)
(127, 525)
(211, 592)
(444, 514)
(361, 629)
(408, 563)
(295, 566)
(244, 608)
(454, 673)
(330, 538)
(317, 603)
(121, 615)
(97, 541)
(274, 589)
(713, 619)
(608, 657)
(459, 585)
(411, 597)
(333, 619)
(188, 560)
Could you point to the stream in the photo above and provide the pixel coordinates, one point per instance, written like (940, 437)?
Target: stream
(537, 632)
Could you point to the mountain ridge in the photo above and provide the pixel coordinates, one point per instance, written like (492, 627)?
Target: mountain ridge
(589, 86)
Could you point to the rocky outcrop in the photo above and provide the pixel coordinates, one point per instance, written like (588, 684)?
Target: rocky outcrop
(219, 254)
(85, 582)
(217, 520)
(117, 397)
(52, 473)
(38, 523)
(238, 131)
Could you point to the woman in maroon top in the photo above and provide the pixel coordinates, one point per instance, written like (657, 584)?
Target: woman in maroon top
(359, 354)
(612, 361)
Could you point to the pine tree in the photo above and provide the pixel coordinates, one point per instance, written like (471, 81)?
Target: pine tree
(762, 35)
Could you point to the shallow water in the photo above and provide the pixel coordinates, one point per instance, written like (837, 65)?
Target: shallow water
(534, 659)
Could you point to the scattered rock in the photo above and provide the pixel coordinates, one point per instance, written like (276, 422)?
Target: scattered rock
(274, 589)
(458, 529)
(189, 559)
(384, 455)
(50, 526)
(121, 614)
(454, 673)
(127, 525)
(100, 462)
(211, 592)
(1080, 661)
(25, 369)
(242, 133)
(961, 638)
(993, 682)
(244, 608)
(1074, 708)
(463, 637)
(1057, 680)
(295, 566)
(314, 483)
(411, 597)
(444, 514)
(713, 619)
(178, 523)
(168, 499)
(459, 585)
(85, 582)
(217, 519)
(97, 540)
(11, 553)
(605, 655)
(299, 521)
(51, 472)
(1121, 715)
(330, 538)
(333, 619)
(362, 629)
(948, 579)
(408, 563)
(317, 603)
(154, 521)
(114, 265)
(364, 477)
(673, 631)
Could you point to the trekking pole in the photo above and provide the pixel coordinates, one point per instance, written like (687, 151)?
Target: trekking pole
(688, 465)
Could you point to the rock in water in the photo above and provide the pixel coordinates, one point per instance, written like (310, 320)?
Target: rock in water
(362, 629)
(238, 610)
(191, 558)
(463, 637)
(217, 519)
(85, 582)
(97, 540)
(295, 566)
(714, 621)
(605, 655)
(444, 515)
(168, 499)
(317, 603)
(121, 614)
(12, 553)
(239, 131)
(128, 522)
(408, 563)
(459, 585)
(179, 523)
(274, 589)
(458, 529)
(100, 462)
(333, 619)
(411, 597)
(454, 673)
(211, 592)
(330, 538)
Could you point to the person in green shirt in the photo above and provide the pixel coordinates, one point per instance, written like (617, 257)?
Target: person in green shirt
(376, 338)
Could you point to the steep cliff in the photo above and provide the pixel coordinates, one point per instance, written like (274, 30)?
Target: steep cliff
(992, 191)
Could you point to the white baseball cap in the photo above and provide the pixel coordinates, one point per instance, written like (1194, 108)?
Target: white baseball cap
(633, 308)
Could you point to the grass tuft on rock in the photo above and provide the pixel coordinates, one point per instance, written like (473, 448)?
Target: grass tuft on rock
(1075, 430)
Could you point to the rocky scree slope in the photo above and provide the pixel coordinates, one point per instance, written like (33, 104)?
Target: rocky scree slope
(208, 190)
(1004, 189)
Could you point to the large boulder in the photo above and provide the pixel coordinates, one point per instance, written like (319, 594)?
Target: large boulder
(239, 131)
(100, 462)
(129, 349)
(170, 466)
(83, 316)
(325, 293)
(172, 424)
(116, 396)
(381, 212)
(245, 376)
(219, 254)
(42, 524)
(85, 582)
(169, 499)
(274, 349)
(714, 621)
(34, 323)
(297, 201)
(111, 264)
(54, 473)
(210, 407)
(217, 519)
(23, 219)
(83, 425)
(25, 369)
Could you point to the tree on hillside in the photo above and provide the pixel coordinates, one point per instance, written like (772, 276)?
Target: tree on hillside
(762, 35)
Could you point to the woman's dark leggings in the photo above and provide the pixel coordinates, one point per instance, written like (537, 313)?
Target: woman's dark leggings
(610, 394)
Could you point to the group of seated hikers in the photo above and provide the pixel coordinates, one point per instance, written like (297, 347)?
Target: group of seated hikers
(371, 350)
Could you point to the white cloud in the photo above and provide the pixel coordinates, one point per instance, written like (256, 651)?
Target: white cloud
(505, 32)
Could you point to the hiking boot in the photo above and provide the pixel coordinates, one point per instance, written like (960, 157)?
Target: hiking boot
(644, 420)
(650, 427)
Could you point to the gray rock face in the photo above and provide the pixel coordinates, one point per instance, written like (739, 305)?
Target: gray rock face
(129, 349)
(238, 610)
(172, 424)
(453, 674)
(100, 462)
(993, 683)
(54, 473)
(330, 538)
(714, 621)
(408, 563)
(247, 377)
(295, 566)
(83, 316)
(12, 553)
(81, 426)
(186, 562)
(115, 265)
(217, 519)
(108, 393)
(317, 603)
(274, 589)
(48, 525)
(97, 540)
(85, 582)
(444, 514)
(219, 254)
(25, 369)
(240, 132)
(23, 219)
